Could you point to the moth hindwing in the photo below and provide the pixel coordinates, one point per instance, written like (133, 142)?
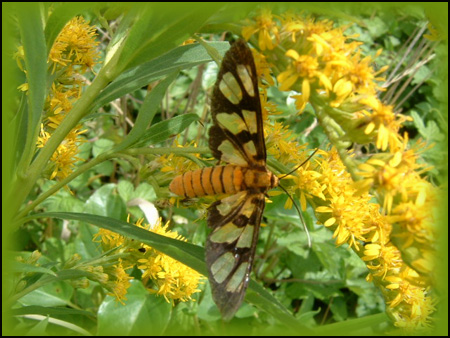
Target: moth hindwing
(236, 138)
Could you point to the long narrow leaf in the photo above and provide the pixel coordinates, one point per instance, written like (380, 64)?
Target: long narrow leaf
(49, 311)
(146, 113)
(32, 35)
(179, 58)
(161, 131)
(160, 28)
(188, 254)
(260, 297)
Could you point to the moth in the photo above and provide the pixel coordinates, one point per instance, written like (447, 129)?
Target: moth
(236, 139)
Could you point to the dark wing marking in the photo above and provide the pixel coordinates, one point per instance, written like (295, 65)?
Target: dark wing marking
(237, 136)
(230, 247)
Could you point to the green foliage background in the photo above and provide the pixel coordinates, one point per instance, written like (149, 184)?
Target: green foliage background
(326, 273)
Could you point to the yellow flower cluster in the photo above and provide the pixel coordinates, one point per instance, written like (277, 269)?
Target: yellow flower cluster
(173, 280)
(281, 145)
(166, 276)
(175, 164)
(394, 237)
(65, 156)
(266, 29)
(409, 202)
(119, 282)
(318, 61)
(356, 220)
(75, 46)
(73, 52)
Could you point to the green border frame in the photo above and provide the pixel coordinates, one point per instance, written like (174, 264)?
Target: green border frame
(436, 11)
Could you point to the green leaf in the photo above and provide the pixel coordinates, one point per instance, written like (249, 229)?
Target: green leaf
(50, 311)
(144, 314)
(40, 329)
(62, 201)
(335, 265)
(101, 146)
(339, 309)
(178, 58)
(356, 326)
(260, 297)
(106, 201)
(421, 74)
(50, 294)
(28, 268)
(207, 310)
(376, 26)
(430, 131)
(146, 113)
(128, 14)
(125, 190)
(32, 38)
(160, 28)
(418, 122)
(161, 131)
(144, 191)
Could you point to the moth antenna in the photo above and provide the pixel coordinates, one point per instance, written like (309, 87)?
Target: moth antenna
(301, 216)
(293, 201)
(296, 168)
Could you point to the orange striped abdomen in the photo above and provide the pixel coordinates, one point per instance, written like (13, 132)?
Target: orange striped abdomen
(228, 179)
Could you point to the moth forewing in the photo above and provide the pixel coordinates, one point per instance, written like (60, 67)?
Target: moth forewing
(236, 108)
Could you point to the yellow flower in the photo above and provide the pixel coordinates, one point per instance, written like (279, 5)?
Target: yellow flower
(188, 42)
(387, 124)
(307, 181)
(410, 301)
(266, 28)
(167, 277)
(108, 239)
(177, 164)
(382, 258)
(263, 69)
(172, 279)
(119, 283)
(60, 102)
(280, 144)
(303, 67)
(65, 156)
(434, 34)
(371, 252)
(23, 87)
(75, 45)
(386, 179)
(19, 56)
(342, 89)
(349, 217)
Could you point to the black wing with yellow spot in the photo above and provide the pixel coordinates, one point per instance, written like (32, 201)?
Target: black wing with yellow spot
(236, 138)
(230, 248)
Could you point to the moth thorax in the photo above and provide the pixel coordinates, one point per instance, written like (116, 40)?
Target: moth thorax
(260, 179)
